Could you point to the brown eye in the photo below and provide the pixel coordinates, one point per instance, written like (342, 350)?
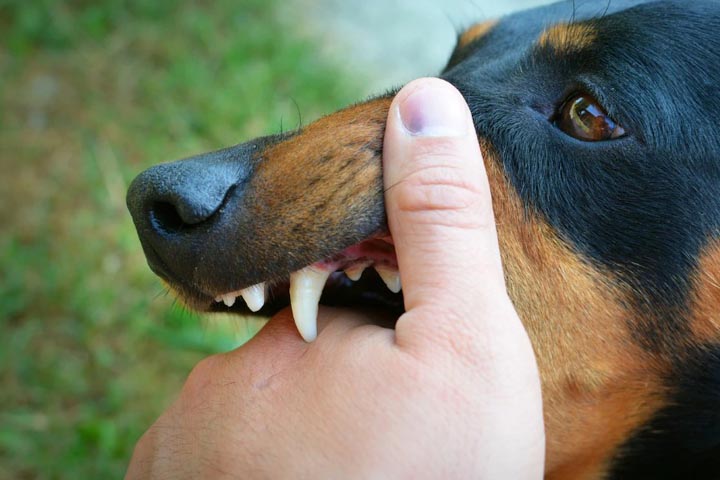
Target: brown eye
(582, 117)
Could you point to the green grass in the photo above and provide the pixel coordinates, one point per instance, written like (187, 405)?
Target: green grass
(91, 347)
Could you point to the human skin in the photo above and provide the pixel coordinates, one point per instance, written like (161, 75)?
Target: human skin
(451, 392)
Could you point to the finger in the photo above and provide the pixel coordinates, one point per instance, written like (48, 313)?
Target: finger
(439, 209)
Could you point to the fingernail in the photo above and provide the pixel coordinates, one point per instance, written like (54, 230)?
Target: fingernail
(434, 111)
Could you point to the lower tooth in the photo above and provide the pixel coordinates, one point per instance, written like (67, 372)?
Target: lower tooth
(228, 299)
(391, 277)
(306, 287)
(254, 296)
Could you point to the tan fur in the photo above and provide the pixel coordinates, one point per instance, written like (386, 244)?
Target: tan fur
(476, 32)
(317, 179)
(705, 307)
(568, 38)
(598, 385)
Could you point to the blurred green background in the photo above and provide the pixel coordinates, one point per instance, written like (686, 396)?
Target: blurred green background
(92, 92)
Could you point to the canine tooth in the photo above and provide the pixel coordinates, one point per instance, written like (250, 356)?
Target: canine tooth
(306, 286)
(254, 296)
(391, 277)
(355, 272)
(228, 299)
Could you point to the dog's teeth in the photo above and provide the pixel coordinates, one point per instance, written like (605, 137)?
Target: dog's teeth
(254, 296)
(355, 272)
(228, 299)
(306, 286)
(391, 277)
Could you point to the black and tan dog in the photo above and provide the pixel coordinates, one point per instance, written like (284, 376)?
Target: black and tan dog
(599, 126)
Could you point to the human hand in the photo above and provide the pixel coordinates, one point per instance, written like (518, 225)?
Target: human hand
(452, 392)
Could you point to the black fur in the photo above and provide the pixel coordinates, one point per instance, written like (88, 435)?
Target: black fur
(683, 440)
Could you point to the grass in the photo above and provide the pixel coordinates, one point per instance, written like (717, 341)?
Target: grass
(91, 347)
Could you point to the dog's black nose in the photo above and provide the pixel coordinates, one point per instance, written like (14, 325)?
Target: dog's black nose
(176, 205)
(173, 197)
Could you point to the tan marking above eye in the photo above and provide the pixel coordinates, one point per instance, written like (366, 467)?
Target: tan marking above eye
(476, 32)
(568, 38)
(582, 117)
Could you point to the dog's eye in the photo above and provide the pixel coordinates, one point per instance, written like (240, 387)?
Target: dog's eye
(582, 117)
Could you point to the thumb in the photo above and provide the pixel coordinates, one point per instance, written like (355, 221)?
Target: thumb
(440, 211)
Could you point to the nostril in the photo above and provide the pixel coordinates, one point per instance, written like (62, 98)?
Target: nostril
(165, 218)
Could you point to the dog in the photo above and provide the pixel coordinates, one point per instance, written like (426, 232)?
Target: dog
(598, 124)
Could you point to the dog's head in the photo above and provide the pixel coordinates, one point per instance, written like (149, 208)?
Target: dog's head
(598, 125)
